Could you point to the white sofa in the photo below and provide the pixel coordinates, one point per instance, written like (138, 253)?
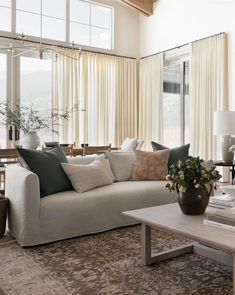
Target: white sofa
(33, 220)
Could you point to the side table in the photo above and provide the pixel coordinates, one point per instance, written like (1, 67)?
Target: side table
(3, 215)
(227, 164)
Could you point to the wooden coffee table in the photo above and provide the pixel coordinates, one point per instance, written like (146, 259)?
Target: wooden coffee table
(214, 243)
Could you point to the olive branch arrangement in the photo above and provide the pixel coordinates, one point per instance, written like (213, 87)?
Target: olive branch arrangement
(30, 120)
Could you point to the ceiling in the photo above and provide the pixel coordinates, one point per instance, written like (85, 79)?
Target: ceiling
(144, 6)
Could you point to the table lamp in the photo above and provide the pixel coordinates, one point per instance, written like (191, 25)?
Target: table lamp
(224, 125)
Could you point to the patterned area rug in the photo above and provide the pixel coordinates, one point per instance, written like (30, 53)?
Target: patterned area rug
(109, 263)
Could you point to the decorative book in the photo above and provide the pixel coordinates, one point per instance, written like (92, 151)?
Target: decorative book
(221, 219)
(222, 201)
(219, 225)
(227, 213)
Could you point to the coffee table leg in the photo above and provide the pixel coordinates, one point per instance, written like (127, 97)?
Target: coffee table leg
(233, 274)
(146, 244)
(149, 259)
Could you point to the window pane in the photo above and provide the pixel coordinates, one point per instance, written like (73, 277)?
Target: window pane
(5, 19)
(3, 94)
(29, 5)
(6, 3)
(36, 86)
(53, 28)
(24, 21)
(80, 11)
(54, 8)
(100, 16)
(79, 33)
(171, 106)
(100, 38)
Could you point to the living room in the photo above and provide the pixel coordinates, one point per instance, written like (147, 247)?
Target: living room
(141, 84)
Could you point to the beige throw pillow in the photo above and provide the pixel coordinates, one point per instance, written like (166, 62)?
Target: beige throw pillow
(88, 159)
(87, 177)
(150, 165)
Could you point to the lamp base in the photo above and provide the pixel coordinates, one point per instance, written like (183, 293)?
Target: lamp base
(226, 142)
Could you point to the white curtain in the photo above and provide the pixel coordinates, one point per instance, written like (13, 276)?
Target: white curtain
(209, 93)
(106, 87)
(150, 94)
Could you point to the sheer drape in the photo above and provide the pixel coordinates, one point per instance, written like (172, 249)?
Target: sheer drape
(209, 93)
(105, 86)
(150, 93)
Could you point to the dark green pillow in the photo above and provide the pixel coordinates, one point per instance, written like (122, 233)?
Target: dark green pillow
(47, 165)
(176, 154)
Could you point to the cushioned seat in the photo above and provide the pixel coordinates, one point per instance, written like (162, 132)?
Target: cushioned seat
(73, 214)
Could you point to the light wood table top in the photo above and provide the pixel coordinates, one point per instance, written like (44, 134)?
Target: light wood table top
(170, 217)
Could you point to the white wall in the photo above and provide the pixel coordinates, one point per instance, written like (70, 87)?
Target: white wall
(126, 25)
(176, 22)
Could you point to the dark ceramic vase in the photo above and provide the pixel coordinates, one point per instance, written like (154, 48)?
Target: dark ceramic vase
(194, 201)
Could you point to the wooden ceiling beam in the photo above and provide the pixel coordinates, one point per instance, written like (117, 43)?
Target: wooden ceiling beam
(144, 6)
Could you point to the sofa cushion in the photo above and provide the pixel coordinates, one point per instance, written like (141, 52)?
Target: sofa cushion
(87, 177)
(150, 165)
(47, 165)
(88, 159)
(69, 214)
(121, 164)
(129, 144)
(179, 153)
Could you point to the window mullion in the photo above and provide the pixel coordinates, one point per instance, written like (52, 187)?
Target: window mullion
(67, 21)
(13, 16)
(182, 103)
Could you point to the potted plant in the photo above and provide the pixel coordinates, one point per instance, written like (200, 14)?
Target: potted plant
(193, 180)
(30, 120)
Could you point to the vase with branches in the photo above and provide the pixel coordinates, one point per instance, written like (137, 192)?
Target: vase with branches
(29, 120)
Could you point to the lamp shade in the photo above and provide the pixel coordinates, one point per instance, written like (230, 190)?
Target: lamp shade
(224, 123)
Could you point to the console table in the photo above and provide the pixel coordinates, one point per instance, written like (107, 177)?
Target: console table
(227, 164)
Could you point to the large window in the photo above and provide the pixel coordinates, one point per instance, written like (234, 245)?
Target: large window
(3, 94)
(36, 86)
(175, 104)
(81, 21)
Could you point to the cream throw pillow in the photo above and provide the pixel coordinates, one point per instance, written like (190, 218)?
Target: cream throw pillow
(121, 164)
(87, 177)
(150, 165)
(129, 144)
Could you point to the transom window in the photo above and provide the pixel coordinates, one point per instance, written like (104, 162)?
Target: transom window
(81, 21)
(90, 24)
(5, 15)
(40, 18)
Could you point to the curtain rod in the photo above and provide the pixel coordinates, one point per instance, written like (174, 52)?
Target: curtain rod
(176, 47)
(63, 46)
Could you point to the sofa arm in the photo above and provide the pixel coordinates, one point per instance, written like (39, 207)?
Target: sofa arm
(22, 189)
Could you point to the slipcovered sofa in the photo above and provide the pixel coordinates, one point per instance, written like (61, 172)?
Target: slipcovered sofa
(33, 220)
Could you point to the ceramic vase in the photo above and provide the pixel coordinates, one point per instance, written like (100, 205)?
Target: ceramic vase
(30, 141)
(194, 200)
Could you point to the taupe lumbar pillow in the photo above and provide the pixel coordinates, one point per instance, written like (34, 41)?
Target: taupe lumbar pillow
(121, 164)
(87, 177)
(150, 165)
